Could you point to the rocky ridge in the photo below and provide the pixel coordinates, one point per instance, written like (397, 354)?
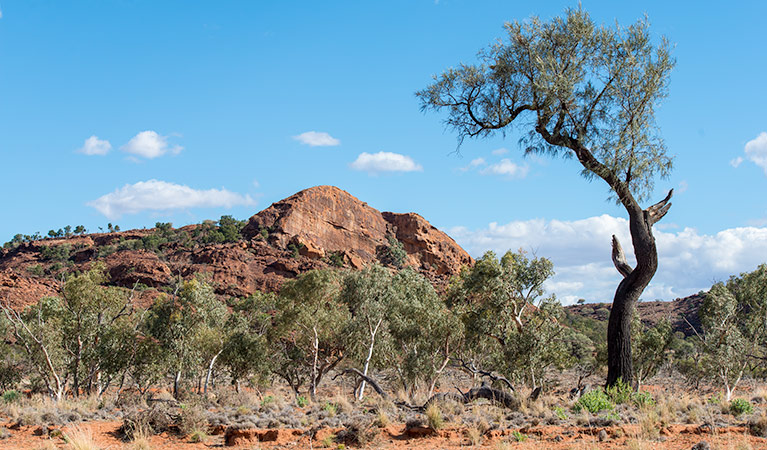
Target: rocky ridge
(319, 227)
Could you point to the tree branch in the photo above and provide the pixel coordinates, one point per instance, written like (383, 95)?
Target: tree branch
(656, 212)
(619, 258)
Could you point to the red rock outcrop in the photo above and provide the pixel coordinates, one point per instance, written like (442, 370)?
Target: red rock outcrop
(129, 267)
(325, 219)
(315, 228)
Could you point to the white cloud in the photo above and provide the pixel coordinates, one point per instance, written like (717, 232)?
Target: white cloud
(688, 261)
(317, 139)
(500, 151)
(756, 151)
(150, 145)
(506, 168)
(385, 162)
(155, 195)
(95, 146)
(736, 161)
(474, 163)
(683, 186)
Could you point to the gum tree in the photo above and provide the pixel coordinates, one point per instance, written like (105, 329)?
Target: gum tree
(582, 91)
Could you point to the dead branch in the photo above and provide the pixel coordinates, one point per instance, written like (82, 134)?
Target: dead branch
(497, 396)
(619, 258)
(657, 211)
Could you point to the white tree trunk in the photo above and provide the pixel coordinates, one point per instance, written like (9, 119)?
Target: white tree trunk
(373, 331)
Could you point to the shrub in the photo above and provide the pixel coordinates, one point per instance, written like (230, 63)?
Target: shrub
(518, 436)
(10, 396)
(434, 417)
(193, 422)
(642, 399)
(560, 413)
(301, 401)
(593, 401)
(741, 406)
(620, 392)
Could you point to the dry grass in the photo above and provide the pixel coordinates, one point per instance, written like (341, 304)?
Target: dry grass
(474, 434)
(80, 439)
(434, 416)
(140, 439)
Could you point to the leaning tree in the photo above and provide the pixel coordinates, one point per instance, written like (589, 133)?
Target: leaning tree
(579, 90)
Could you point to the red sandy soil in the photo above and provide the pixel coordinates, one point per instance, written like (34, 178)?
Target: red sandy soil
(395, 437)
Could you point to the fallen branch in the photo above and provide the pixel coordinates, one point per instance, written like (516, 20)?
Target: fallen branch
(497, 396)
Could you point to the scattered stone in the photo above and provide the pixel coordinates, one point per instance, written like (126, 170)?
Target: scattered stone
(602, 435)
(702, 445)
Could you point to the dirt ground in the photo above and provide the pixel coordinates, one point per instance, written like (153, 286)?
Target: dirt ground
(106, 436)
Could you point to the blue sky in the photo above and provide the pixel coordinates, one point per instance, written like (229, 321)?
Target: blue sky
(134, 112)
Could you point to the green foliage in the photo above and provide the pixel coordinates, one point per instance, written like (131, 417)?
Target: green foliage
(295, 249)
(740, 406)
(266, 401)
(246, 348)
(36, 270)
(620, 392)
(503, 332)
(561, 413)
(593, 401)
(11, 396)
(518, 436)
(336, 259)
(308, 338)
(302, 401)
(651, 348)
(580, 86)
(734, 332)
(393, 254)
(55, 252)
(642, 399)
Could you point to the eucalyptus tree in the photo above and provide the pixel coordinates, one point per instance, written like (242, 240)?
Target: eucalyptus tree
(583, 91)
(510, 326)
(246, 350)
(183, 325)
(369, 295)
(309, 329)
(733, 317)
(424, 332)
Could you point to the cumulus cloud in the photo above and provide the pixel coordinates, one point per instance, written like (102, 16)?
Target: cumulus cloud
(149, 144)
(688, 260)
(155, 195)
(474, 163)
(735, 162)
(317, 139)
(756, 151)
(95, 146)
(385, 162)
(507, 168)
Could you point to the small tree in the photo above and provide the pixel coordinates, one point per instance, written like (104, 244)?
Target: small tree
(309, 330)
(509, 326)
(652, 349)
(582, 91)
(246, 350)
(734, 321)
(369, 294)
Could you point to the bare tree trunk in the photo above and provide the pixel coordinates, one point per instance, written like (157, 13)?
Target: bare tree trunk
(619, 360)
(373, 331)
(316, 351)
(176, 380)
(210, 370)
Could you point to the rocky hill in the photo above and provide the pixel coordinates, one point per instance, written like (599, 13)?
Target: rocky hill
(319, 227)
(682, 312)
